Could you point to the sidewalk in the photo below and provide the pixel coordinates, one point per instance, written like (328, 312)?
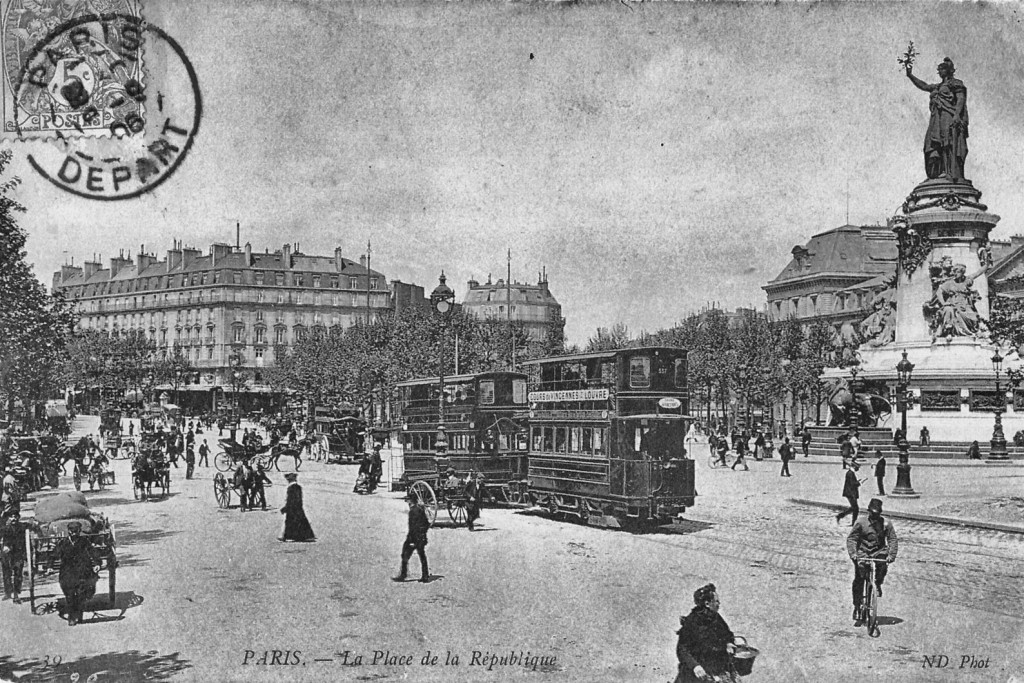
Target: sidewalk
(961, 493)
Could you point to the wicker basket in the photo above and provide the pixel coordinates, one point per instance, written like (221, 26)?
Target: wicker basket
(743, 657)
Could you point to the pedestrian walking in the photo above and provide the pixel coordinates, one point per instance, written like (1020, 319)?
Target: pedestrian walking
(190, 460)
(415, 539)
(296, 525)
(805, 441)
(472, 493)
(131, 428)
(847, 450)
(926, 437)
(204, 454)
(974, 451)
(769, 447)
(77, 578)
(880, 471)
(851, 492)
(12, 556)
(723, 448)
(759, 445)
(786, 453)
(741, 458)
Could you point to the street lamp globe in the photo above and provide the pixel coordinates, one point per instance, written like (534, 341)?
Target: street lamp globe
(997, 361)
(904, 369)
(441, 299)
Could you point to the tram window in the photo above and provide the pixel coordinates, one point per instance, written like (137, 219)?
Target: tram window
(503, 443)
(519, 391)
(472, 443)
(549, 439)
(680, 372)
(599, 434)
(538, 439)
(560, 439)
(588, 440)
(487, 392)
(640, 371)
(575, 439)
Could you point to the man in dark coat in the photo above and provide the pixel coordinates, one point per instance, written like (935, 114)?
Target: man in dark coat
(873, 537)
(242, 481)
(296, 526)
(851, 492)
(705, 643)
(12, 556)
(786, 453)
(204, 454)
(257, 494)
(416, 539)
(880, 471)
(77, 578)
(472, 492)
(805, 441)
(376, 468)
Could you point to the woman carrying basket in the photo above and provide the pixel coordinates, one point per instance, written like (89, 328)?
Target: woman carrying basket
(706, 644)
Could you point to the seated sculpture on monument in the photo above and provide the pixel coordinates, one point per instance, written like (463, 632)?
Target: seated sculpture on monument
(879, 328)
(952, 310)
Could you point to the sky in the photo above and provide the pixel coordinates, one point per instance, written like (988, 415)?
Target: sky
(653, 157)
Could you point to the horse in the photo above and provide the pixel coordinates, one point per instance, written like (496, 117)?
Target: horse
(147, 469)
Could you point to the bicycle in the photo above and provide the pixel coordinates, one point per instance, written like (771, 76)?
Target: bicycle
(869, 601)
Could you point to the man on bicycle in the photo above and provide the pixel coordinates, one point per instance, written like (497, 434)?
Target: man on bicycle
(871, 537)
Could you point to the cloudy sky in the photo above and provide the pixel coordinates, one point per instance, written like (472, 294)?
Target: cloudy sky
(652, 156)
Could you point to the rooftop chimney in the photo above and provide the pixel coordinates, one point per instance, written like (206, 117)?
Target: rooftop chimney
(188, 255)
(248, 254)
(173, 257)
(339, 262)
(117, 263)
(286, 256)
(90, 268)
(218, 251)
(362, 260)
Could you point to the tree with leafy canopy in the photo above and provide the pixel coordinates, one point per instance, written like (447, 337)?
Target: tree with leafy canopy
(34, 325)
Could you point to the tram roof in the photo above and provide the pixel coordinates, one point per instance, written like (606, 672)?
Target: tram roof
(456, 378)
(597, 354)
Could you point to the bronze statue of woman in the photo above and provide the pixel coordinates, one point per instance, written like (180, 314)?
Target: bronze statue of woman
(945, 142)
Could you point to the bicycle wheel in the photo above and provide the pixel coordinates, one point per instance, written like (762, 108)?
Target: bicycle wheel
(222, 461)
(872, 608)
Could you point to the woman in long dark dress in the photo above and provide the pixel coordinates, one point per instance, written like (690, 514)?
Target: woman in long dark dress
(296, 526)
(705, 642)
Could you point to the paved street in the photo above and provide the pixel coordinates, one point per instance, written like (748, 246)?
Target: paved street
(208, 594)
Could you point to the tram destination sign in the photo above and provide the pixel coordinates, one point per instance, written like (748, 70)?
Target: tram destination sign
(568, 395)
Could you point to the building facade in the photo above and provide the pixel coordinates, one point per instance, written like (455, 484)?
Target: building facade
(533, 305)
(229, 302)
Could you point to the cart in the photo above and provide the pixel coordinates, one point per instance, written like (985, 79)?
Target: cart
(149, 469)
(43, 564)
(234, 454)
(437, 495)
(222, 489)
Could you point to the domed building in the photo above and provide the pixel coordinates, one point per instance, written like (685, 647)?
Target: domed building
(533, 305)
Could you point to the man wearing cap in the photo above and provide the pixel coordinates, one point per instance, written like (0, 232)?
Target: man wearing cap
(873, 537)
(416, 539)
(851, 492)
(77, 577)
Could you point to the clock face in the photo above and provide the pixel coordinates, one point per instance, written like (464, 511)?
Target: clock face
(443, 306)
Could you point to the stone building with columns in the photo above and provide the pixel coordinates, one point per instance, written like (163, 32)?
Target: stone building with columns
(227, 301)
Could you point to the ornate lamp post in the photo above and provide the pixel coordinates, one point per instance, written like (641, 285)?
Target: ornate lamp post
(741, 375)
(903, 487)
(854, 386)
(177, 381)
(997, 452)
(441, 299)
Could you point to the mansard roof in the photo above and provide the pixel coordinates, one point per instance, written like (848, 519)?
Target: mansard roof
(847, 251)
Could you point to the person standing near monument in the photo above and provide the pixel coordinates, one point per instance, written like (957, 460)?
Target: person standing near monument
(851, 492)
(880, 471)
(945, 141)
(786, 453)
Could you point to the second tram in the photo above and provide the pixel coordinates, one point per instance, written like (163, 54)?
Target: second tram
(607, 436)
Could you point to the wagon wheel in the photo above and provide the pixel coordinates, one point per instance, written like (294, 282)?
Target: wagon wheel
(77, 477)
(457, 511)
(221, 491)
(112, 578)
(425, 496)
(552, 505)
(222, 461)
(31, 571)
(583, 510)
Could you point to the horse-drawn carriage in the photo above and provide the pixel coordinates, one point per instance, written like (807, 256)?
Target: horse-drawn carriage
(35, 462)
(341, 439)
(150, 468)
(50, 526)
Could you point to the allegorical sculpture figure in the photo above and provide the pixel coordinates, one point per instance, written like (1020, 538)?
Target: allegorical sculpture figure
(945, 142)
(952, 308)
(879, 328)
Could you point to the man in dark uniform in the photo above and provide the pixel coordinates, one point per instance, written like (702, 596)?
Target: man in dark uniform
(258, 495)
(77, 578)
(805, 441)
(12, 556)
(204, 454)
(376, 468)
(416, 539)
(473, 492)
(786, 453)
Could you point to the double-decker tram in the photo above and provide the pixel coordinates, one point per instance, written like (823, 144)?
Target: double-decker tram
(485, 428)
(606, 436)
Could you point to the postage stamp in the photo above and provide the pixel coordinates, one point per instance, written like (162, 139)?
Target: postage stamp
(115, 128)
(84, 80)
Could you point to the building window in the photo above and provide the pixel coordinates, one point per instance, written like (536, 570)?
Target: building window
(259, 354)
(216, 277)
(317, 300)
(280, 297)
(316, 280)
(259, 297)
(279, 335)
(209, 353)
(236, 277)
(279, 279)
(353, 282)
(259, 314)
(297, 278)
(261, 335)
(373, 283)
(259, 278)
(334, 282)
(238, 334)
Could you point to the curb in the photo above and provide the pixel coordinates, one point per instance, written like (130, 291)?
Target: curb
(947, 521)
(924, 462)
